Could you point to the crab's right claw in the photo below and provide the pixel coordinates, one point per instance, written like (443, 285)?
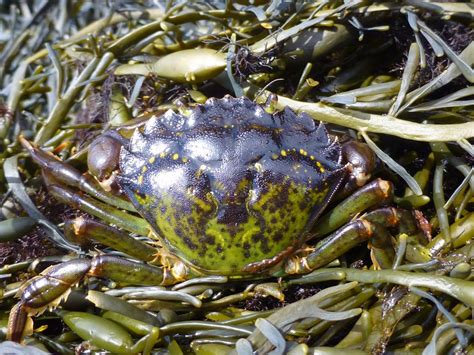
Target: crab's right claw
(46, 290)
(20, 323)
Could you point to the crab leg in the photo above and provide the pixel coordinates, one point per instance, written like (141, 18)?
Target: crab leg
(381, 247)
(66, 174)
(374, 193)
(82, 230)
(54, 284)
(369, 227)
(331, 247)
(45, 290)
(59, 172)
(99, 209)
(393, 217)
(20, 323)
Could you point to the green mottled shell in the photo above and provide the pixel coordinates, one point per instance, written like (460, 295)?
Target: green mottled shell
(230, 188)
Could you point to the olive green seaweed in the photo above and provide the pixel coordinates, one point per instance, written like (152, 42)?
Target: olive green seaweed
(156, 246)
(461, 289)
(381, 124)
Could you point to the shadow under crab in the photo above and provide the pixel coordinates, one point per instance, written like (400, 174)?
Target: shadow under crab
(225, 188)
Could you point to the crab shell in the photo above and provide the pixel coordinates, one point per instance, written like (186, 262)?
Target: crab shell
(228, 187)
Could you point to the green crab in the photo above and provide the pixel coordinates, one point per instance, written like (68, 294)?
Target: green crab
(223, 188)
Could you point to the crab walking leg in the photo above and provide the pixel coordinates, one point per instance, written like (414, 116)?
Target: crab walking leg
(372, 194)
(393, 217)
(82, 230)
(54, 284)
(331, 247)
(99, 209)
(66, 174)
(372, 226)
(382, 250)
(127, 271)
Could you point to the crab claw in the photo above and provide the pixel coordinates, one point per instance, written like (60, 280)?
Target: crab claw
(44, 291)
(20, 323)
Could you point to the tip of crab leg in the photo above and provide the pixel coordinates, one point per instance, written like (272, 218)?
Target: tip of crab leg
(53, 165)
(20, 323)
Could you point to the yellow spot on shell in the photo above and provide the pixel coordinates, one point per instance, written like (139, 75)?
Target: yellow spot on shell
(184, 160)
(321, 168)
(312, 157)
(283, 153)
(274, 156)
(175, 156)
(303, 152)
(140, 180)
(151, 160)
(144, 169)
(162, 154)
